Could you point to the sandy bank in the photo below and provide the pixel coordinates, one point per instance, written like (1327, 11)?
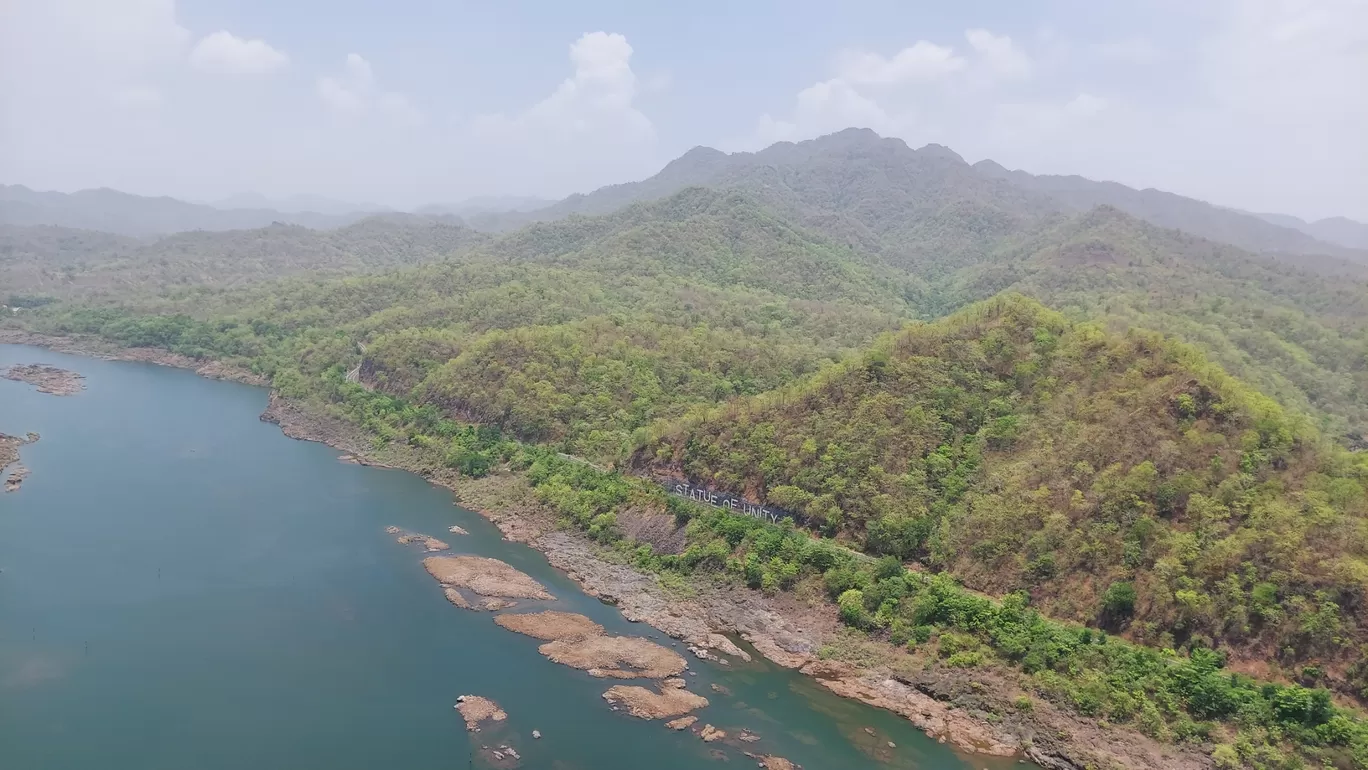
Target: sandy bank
(671, 701)
(484, 576)
(620, 657)
(476, 709)
(47, 379)
(551, 625)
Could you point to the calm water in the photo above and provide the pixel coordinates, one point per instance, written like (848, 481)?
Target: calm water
(183, 587)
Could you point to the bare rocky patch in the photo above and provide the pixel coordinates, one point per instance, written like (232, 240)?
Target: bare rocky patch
(620, 657)
(476, 709)
(551, 625)
(485, 576)
(671, 701)
(428, 542)
(9, 459)
(47, 379)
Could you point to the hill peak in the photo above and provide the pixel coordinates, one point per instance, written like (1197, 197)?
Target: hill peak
(940, 152)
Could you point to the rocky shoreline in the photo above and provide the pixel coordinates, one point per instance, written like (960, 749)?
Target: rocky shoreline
(9, 459)
(969, 709)
(95, 347)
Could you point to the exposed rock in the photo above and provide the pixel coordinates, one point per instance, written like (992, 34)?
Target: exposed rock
(9, 456)
(747, 736)
(457, 531)
(476, 709)
(641, 702)
(486, 577)
(550, 625)
(720, 688)
(495, 604)
(429, 542)
(622, 657)
(723, 644)
(48, 379)
(536, 733)
(937, 719)
(682, 722)
(16, 478)
(455, 598)
(771, 762)
(710, 734)
(393, 530)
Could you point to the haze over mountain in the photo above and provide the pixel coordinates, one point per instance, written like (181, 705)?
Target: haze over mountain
(118, 212)
(819, 182)
(295, 204)
(1341, 230)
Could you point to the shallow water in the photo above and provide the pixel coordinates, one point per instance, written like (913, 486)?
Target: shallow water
(184, 587)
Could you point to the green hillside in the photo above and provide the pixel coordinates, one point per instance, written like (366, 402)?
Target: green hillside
(577, 332)
(1020, 451)
(61, 263)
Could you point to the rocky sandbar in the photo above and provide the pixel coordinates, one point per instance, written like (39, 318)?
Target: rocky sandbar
(476, 709)
(48, 379)
(429, 542)
(9, 456)
(621, 657)
(671, 701)
(484, 576)
(551, 625)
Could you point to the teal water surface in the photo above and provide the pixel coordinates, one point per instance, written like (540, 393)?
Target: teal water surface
(183, 587)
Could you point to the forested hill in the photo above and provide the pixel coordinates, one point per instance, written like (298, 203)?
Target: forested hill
(118, 212)
(1248, 231)
(1120, 479)
(921, 203)
(43, 263)
(1299, 335)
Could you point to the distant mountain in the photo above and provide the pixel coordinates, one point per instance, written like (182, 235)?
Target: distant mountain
(295, 204)
(46, 260)
(1338, 230)
(117, 212)
(486, 205)
(923, 209)
(1248, 231)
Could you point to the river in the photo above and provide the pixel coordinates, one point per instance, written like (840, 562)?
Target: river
(185, 588)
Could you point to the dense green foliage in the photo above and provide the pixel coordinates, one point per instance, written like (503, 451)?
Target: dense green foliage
(1020, 451)
(100, 267)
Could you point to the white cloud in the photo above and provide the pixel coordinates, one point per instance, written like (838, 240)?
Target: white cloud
(226, 54)
(598, 97)
(585, 133)
(86, 49)
(354, 93)
(901, 94)
(823, 108)
(921, 61)
(998, 57)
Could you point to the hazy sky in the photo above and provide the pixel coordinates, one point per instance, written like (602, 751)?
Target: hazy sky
(1261, 104)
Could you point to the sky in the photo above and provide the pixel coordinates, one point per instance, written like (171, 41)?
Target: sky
(1255, 104)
